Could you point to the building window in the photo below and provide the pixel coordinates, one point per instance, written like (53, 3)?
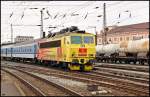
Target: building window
(142, 37)
(109, 39)
(100, 40)
(120, 38)
(127, 38)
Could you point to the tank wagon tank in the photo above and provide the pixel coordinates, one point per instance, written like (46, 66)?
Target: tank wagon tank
(136, 46)
(107, 50)
(126, 51)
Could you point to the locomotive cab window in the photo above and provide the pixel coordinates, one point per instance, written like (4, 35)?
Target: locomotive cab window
(88, 39)
(76, 40)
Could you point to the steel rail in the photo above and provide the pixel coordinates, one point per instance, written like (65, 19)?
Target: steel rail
(125, 72)
(125, 67)
(84, 78)
(33, 88)
(140, 80)
(59, 86)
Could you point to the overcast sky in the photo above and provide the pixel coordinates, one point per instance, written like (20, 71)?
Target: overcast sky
(61, 14)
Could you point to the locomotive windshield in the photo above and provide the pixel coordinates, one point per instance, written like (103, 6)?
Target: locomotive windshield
(88, 39)
(76, 40)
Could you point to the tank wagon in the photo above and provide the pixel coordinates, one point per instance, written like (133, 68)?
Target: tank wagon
(127, 51)
(71, 49)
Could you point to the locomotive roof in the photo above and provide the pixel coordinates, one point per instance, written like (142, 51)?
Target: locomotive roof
(46, 39)
(68, 33)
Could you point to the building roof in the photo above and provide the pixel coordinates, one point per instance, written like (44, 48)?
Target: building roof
(140, 27)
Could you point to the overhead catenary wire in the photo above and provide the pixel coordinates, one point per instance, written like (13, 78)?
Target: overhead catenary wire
(68, 14)
(127, 18)
(68, 19)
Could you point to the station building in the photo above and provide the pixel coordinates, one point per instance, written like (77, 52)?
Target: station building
(23, 38)
(116, 34)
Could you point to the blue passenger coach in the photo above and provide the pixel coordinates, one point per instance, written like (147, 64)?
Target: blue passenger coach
(25, 50)
(6, 51)
(20, 51)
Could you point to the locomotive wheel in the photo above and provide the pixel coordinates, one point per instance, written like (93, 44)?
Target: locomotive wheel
(134, 62)
(141, 62)
(99, 60)
(65, 66)
(148, 62)
(81, 68)
(120, 61)
(115, 61)
(127, 62)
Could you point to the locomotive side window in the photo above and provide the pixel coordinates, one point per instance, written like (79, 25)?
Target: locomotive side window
(50, 44)
(76, 40)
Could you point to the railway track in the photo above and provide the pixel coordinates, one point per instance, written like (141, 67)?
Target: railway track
(121, 85)
(40, 86)
(18, 87)
(123, 75)
(29, 85)
(122, 72)
(129, 78)
(139, 68)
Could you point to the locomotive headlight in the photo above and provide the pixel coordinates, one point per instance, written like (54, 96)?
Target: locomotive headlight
(73, 55)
